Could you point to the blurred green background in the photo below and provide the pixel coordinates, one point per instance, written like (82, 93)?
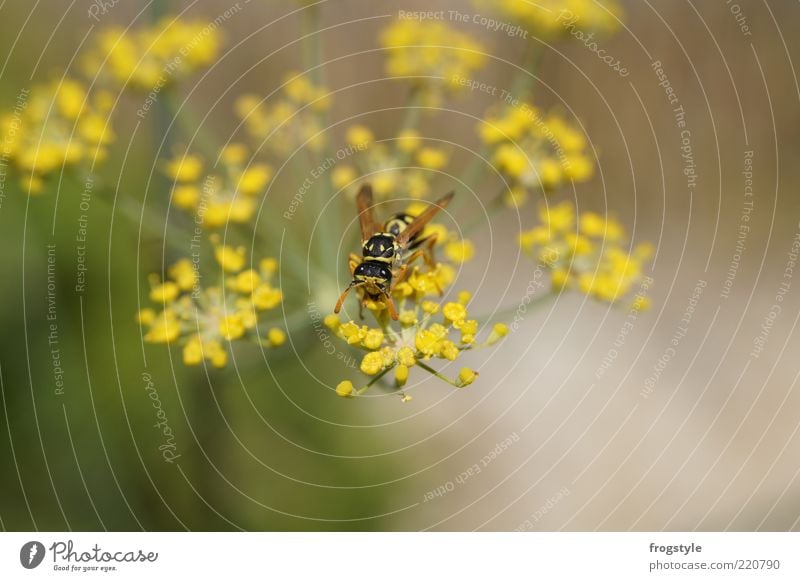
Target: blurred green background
(265, 444)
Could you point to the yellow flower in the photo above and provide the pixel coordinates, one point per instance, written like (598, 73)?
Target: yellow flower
(448, 350)
(276, 337)
(549, 173)
(186, 196)
(466, 377)
(432, 158)
(184, 169)
(254, 178)
(345, 389)
(231, 327)
(184, 274)
(401, 375)
(193, 351)
(215, 353)
(265, 297)
(408, 140)
(343, 175)
(459, 251)
(229, 258)
(406, 357)
(427, 343)
(245, 282)
(558, 217)
(146, 316)
(454, 312)
(372, 363)
(499, 331)
(166, 328)
(164, 293)
(408, 318)
(373, 339)
(359, 135)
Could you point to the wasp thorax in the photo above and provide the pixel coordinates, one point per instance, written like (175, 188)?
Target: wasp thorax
(379, 247)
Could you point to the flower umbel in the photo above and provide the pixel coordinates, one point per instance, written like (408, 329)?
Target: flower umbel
(206, 320)
(427, 332)
(62, 125)
(425, 329)
(288, 121)
(535, 151)
(587, 252)
(153, 56)
(227, 195)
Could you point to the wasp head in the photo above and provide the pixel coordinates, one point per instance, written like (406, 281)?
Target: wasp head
(376, 278)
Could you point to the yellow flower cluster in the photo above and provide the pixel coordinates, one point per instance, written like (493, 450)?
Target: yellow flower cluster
(57, 125)
(206, 320)
(552, 19)
(425, 329)
(386, 166)
(229, 195)
(427, 332)
(433, 56)
(587, 252)
(290, 121)
(152, 57)
(535, 151)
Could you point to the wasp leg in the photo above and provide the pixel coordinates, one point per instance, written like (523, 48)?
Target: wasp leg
(426, 252)
(399, 276)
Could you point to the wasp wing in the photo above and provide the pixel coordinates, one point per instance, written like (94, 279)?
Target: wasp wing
(366, 213)
(422, 220)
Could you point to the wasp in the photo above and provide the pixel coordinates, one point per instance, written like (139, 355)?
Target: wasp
(388, 249)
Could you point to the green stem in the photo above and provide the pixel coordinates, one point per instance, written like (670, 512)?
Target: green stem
(432, 371)
(374, 380)
(531, 61)
(190, 124)
(413, 111)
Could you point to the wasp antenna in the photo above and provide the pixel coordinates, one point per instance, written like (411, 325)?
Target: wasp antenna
(340, 302)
